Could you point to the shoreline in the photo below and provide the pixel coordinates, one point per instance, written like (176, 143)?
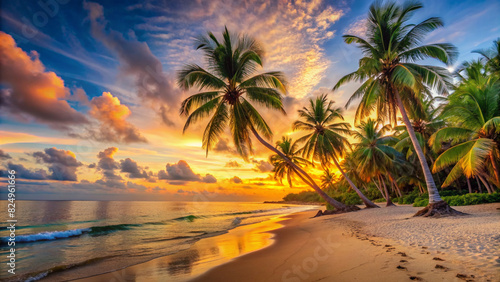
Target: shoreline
(296, 203)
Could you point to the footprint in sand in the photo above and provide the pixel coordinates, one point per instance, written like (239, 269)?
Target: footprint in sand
(465, 277)
(436, 258)
(438, 266)
(415, 278)
(401, 267)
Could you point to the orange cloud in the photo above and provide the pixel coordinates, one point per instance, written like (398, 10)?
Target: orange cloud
(112, 114)
(137, 60)
(19, 137)
(34, 93)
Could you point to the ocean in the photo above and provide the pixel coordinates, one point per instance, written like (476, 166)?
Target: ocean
(55, 236)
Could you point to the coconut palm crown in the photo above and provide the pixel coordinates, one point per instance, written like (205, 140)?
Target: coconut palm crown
(326, 129)
(230, 86)
(325, 139)
(391, 49)
(282, 168)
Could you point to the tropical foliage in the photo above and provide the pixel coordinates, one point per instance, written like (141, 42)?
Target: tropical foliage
(282, 168)
(474, 128)
(325, 140)
(410, 116)
(391, 78)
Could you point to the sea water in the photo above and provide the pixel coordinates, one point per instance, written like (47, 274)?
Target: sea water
(54, 236)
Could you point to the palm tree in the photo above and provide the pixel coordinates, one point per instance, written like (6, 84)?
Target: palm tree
(281, 166)
(229, 85)
(391, 80)
(425, 123)
(492, 56)
(374, 154)
(325, 141)
(474, 112)
(328, 179)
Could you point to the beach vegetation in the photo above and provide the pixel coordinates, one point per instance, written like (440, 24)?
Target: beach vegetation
(423, 134)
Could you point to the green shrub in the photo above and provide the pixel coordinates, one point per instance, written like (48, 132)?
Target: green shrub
(421, 202)
(304, 196)
(462, 200)
(409, 198)
(444, 193)
(379, 200)
(372, 193)
(348, 198)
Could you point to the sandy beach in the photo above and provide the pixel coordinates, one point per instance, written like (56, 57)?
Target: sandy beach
(384, 244)
(376, 245)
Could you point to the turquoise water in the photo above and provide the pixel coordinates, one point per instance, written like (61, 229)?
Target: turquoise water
(53, 236)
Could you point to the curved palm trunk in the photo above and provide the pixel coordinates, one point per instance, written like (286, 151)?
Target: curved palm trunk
(395, 185)
(495, 170)
(380, 189)
(366, 201)
(479, 185)
(468, 184)
(395, 188)
(301, 173)
(388, 201)
(485, 182)
(431, 185)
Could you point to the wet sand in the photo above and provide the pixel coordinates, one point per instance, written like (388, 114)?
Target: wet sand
(384, 244)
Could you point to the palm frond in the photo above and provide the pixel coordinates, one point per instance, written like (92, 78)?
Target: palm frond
(215, 127)
(195, 76)
(202, 112)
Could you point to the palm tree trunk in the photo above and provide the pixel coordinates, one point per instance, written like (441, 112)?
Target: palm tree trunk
(366, 201)
(468, 184)
(485, 182)
(388, 201)
(431, 185)
(395, 185)
(495, 169)
(366, 188)
(420, 189)
(336, 204)
(479, 185)
(380, 189)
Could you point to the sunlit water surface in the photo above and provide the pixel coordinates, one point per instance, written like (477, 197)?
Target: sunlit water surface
(62, 236)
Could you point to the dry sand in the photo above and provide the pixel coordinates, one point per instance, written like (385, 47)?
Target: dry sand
(385, 244)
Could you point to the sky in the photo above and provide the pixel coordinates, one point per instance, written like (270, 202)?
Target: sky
(89, 104)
